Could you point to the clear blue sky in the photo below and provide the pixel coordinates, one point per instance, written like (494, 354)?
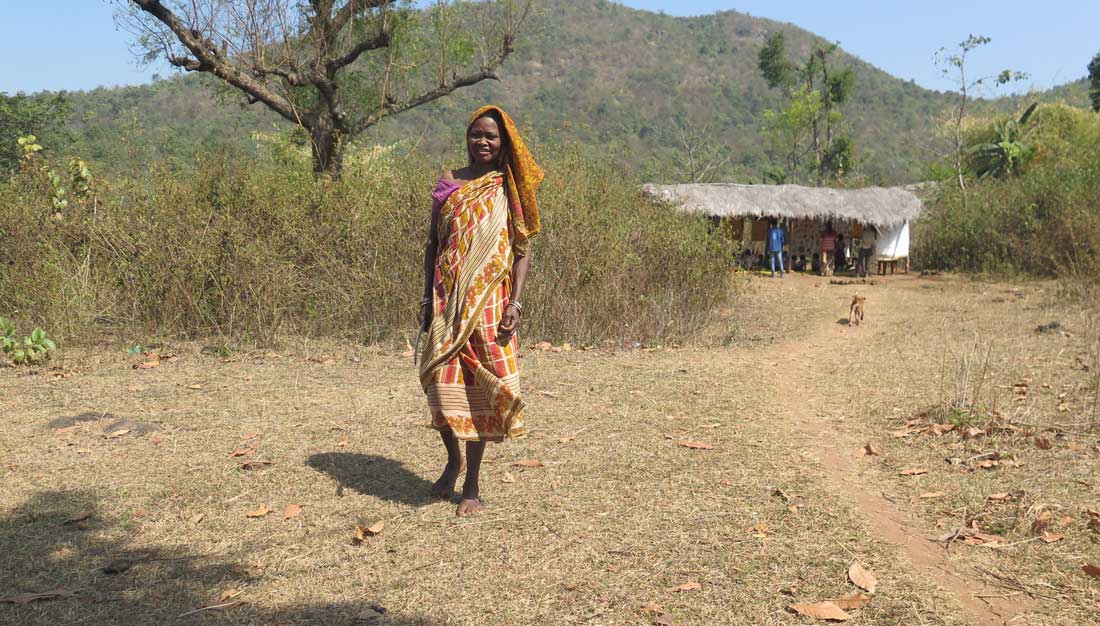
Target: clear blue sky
(74, 44)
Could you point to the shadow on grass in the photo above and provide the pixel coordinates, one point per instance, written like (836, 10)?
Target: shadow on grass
(49, 542)
(844, 321)
(374, 475)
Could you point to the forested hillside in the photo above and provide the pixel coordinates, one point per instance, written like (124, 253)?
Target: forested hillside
(631, 82)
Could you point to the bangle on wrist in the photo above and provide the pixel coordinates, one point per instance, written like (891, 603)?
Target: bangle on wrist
(518, 305)
(425, 301)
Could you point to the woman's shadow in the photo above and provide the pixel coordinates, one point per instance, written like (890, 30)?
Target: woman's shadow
(373, 475)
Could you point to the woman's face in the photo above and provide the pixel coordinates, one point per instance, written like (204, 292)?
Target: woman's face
(483, 141)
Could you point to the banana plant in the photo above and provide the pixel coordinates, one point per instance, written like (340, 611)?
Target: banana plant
(1007, 152)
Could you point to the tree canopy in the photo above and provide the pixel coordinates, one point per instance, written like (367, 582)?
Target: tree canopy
(333, 67)
(26, 115)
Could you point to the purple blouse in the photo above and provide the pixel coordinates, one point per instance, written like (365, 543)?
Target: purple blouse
(443, 190)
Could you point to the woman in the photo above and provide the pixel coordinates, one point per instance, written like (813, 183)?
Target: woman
(475, 269)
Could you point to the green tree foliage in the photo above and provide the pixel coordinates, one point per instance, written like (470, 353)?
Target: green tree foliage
(814, 104)
(1094, 82)
(773, 63)
(27, 115)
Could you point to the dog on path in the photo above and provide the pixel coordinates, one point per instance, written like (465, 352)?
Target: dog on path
(855, 313)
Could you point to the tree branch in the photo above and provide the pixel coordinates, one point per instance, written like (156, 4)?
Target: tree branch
(381, 41)
(348, 11)
(439, 92)
(209, 59)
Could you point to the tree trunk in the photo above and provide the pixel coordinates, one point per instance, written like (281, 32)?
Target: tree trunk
(327, 145)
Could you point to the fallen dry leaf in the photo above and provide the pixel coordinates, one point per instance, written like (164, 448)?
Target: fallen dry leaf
(862, 578)
(567, 439)
(1091, 570)
(932, 494)
(116, 434)
(939, 429)
(362, 532)
(342, 443)
(292, 510)
(688, 586)
(252, 465)
(1043, 443)
(241, 452)
(822, 610)
(652, 607)
(696, 445)
(854, 600)
(507, 478)
(260, 512)
(148, 365)
(870, 450)
(912, 472)
(27, 598)
(198, 517)
(973, 432)
(1051, 538)
(528, 463)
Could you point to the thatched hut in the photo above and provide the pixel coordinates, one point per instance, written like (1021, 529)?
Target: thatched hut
(805, 210)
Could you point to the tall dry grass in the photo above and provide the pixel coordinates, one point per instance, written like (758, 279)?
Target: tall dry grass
(252, 251)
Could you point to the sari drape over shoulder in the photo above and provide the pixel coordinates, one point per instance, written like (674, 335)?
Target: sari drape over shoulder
(471, 376)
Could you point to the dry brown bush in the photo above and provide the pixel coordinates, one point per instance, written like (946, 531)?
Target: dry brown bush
(249, 252)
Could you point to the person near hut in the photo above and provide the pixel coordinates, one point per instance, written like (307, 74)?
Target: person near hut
(776, 241)
(866, 250)
(827, 249)
(841, 253)
(475, 268)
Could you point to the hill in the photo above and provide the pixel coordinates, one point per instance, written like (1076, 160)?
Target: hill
(624, 80)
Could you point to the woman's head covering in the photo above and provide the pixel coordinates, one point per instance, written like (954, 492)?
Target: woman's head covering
(522, 177)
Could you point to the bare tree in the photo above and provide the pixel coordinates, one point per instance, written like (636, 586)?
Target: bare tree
(333, 67)
(953, 63)
(695, 152)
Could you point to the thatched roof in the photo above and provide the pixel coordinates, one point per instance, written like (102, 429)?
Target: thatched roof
(881, 206)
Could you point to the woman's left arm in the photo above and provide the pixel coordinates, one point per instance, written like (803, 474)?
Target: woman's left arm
(514, 312)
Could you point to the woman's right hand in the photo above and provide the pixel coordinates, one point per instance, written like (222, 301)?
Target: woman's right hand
(425, 316)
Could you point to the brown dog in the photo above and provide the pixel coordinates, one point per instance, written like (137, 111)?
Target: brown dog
(855, 314)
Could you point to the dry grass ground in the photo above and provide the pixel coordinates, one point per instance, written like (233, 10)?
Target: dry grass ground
(619, 515)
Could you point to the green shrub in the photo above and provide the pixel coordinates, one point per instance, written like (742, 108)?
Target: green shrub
(252, 250)
(1044, 221)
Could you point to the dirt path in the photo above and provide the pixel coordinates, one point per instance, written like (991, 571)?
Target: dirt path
(805, 408)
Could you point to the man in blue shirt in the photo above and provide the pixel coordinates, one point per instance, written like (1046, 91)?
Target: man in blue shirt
(775, 246)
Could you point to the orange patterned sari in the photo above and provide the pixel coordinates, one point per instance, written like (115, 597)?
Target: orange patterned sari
(470, 376)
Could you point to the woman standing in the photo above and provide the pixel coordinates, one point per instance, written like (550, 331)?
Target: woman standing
(475, 269)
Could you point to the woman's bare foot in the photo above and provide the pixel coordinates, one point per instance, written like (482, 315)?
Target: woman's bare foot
(469, 506)
(445, 486)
